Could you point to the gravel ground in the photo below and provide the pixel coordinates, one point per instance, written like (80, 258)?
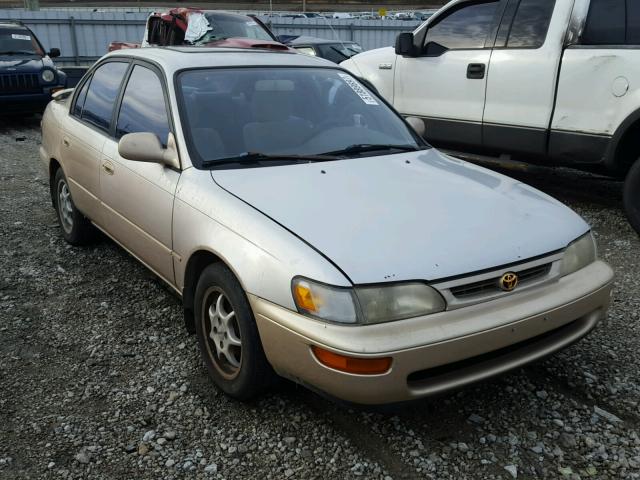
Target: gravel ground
(99, 379)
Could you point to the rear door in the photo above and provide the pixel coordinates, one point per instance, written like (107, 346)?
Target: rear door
(446, 83)
(523, 75)
(86, 132)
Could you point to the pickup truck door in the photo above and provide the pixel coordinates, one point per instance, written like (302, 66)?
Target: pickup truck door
(523, 75)
(445, 83)
(138, 196)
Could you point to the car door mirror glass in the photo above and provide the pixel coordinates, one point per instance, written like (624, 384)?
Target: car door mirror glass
(404, 45)
(54, 52)
(434, 49)
(146, 147)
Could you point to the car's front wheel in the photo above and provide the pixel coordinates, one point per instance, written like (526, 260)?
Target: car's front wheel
(76, 228)
(631, 196)
(228, 336)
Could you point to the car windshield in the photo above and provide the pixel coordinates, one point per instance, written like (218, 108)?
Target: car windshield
(338, 52)
(18, 41)
(232, 26)
(230, 113)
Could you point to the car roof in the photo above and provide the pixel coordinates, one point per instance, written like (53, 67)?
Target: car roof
(13, 25)
(172, 59)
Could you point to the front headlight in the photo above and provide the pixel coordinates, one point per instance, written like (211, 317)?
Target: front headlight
(365, 305)
(48, 76)
(579, 254)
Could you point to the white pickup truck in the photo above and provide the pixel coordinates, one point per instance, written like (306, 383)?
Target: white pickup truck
(554, 82)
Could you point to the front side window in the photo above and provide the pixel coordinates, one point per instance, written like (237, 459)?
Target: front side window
(606, 23)
(465, 28)
(339, 52)
(19, 41)
(143, 107)
(530, 24)
(102, 94)
(282, 111)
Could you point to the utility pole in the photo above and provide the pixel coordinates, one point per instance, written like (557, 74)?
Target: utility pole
(304, 6)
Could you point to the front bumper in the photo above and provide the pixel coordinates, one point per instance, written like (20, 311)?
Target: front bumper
(439, 352)
(25, 102)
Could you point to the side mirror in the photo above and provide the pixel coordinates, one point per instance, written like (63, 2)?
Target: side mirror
(146, 147)
(54, 52)
(417, 124)
(404, 45)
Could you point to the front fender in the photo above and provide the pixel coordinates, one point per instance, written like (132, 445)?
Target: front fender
(377, 67)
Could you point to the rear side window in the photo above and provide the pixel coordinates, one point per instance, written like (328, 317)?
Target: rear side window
(143, 107)
(102, 94)
(606, 23)
(530, 24)
(633, 22)
(465, 28)
(77, 107)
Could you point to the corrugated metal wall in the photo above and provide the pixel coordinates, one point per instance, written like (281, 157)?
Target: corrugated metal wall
(84, 36)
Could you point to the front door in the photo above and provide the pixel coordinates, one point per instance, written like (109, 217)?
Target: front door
(137, 196)
(446, 83)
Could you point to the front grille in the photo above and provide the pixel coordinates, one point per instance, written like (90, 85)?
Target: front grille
(490, 286)
(19, 83)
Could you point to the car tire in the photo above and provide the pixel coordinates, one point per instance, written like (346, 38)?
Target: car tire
(76, 228)
(228, 335)
(631, 196)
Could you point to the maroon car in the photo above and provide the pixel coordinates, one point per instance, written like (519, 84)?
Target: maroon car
(189, 26)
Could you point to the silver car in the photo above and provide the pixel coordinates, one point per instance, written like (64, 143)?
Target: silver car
(310, 231)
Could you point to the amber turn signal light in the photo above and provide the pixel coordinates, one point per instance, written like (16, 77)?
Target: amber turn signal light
(360, 366)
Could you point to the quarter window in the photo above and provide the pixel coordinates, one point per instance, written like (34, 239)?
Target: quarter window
(605, 23)
(530, 24)
(143, 107)
(102, 94)
(465, 28)
(77, 107)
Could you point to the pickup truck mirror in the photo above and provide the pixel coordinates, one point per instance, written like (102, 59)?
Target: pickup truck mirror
(404, 45)
(417, 124)
(54, 52)
(146, 147)
(434, 49)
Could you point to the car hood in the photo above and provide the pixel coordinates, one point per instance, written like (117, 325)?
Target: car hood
(20, 64)
(413, 216)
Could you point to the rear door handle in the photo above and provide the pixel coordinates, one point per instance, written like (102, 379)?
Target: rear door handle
(65, 142)
(475, 71)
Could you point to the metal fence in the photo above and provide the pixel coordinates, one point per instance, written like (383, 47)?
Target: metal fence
(83, 37)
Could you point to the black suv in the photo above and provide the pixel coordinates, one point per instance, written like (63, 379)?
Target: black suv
(28, 76)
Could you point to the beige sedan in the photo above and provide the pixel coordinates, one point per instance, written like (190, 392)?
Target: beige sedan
(309, 230)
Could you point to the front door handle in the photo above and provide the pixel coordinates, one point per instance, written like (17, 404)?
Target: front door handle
(108, 168)
(475, 71)
(65, 142)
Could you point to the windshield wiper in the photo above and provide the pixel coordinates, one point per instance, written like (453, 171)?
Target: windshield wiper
(256, 158)
(371, 147)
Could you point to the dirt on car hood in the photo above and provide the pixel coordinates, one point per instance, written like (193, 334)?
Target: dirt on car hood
(420, 215)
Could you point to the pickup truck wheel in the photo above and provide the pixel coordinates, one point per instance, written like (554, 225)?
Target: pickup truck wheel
(76, 228)
(228, 336)
(631, 196)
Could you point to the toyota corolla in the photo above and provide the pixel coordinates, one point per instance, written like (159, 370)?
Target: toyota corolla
(310, 231)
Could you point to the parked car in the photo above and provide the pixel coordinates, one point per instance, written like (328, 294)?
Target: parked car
(334, 50)
(549, 82)
(28, 75)
(188, 26)
(310, 231)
